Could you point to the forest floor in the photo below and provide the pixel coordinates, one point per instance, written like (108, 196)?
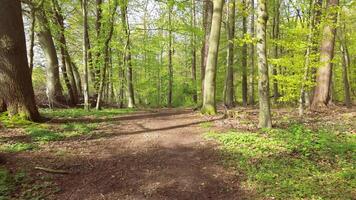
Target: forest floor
(156, 154)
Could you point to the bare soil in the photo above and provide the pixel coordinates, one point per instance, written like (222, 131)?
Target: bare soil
(145, 155)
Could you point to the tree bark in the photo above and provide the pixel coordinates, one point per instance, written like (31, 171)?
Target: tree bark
(275, 33)
(252, 54)
(345, 65)
(15, 78)
(194, 53)
(263, 83)
(207, 18)
(209, 104)
(229, 83)
(127, 56)
(324, 73)
(85, 54)
(32, 38)
(54, 88)
(244, 56)
(67, 65)
(170, 55)
(106, 57)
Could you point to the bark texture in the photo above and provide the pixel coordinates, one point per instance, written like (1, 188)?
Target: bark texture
(209, 104)
(229, 83)
(16, 86)
(263, 82)
(324, 74)
(54, 88)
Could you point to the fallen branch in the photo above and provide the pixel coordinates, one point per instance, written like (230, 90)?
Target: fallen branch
(54, 171)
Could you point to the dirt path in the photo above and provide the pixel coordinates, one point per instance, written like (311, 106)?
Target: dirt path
(146, 155)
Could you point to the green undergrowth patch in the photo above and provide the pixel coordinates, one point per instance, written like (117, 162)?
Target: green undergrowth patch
(19, 185)
(17, 147)
(293, 163)
(78, 112)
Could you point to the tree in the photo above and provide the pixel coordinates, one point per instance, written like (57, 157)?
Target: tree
(54, 88)
(207, 18)
(263, 82)
(85, 54)
(194, 53)
(324, 74)
(16, 87)
(275, 34)
(244, 55)
(345, 65)
(229, 83)
(209, 104)
(127, 55)
(252, 53)
(170, 54)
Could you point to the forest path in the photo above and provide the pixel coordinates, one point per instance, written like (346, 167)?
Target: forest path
(146, 155)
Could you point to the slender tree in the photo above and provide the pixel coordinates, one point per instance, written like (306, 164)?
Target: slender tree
(16, 89)
(170, 55)
(209, 105)
(207, 18)
(263, 82)
(85, 54)
(244, 55)
(229, 82)
(275, 35)
(194, 53)
(252, 53)
(127, 55)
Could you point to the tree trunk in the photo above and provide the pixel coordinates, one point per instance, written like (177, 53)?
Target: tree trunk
(252, 54)
(170, 52)
(106, 57)
(67, 68)
(32, 38)
(345, 64)
(229, 83)
(209, 105)
(15, 78)
(244, 56)
(127, 56)
(85, 54)
(263, 83)
(275, 33)
(324, 73)
(207, 18)
(54, 88)
(194, 54)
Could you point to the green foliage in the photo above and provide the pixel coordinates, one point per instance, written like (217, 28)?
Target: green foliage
(76, 113)
(8, 182)
(296, 163)
(16, 147)
(14, 121)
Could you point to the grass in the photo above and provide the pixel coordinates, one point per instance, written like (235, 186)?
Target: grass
(43, 133)
(8, 182)
(296, 163)
(76, 113)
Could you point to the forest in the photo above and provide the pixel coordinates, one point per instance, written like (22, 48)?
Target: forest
(177, 99)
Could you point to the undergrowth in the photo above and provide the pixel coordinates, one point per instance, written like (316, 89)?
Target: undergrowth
(294, 163)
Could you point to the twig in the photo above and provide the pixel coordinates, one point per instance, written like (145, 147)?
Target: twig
(52, 170)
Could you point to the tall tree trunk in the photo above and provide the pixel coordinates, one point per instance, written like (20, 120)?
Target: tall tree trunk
(252, 53)
(67, 68)
(97, 67)
(275, 33)
(127, 56)
(324, 73)
(244, 56)
(106, 57)
(32, 38)
(170, 61)
(229, 83)
(54, 88)
(263, 83)
(345, 64)
(194, 53)
(15, 79)
(209, 105)
(207, 18)
(85, 54)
